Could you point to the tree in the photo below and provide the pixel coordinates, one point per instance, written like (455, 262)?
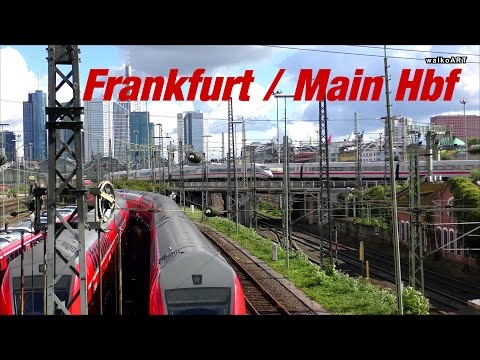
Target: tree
(467, 196)
(475, 176)
(474, 141)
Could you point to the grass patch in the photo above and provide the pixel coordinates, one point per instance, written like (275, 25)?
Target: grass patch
(269, 209)
(338, 293)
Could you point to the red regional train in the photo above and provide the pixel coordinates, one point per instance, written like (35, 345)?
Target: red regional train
(67, 288)
(11, 246)
(168, 266)
(185, 274)
(11, 241)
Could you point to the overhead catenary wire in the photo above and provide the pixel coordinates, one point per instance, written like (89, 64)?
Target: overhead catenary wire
(352, 53)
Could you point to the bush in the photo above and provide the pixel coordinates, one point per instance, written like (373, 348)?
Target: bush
(414, 303)
(475, 176)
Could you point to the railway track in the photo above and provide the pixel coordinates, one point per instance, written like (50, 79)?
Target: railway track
(265, 291)
(445, 293)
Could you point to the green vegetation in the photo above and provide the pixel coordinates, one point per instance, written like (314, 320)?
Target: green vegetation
(379, 222)
(474, 149)
(474, 141)
(269, 209)
(140, 185)
(376, 193)
(414, 303)
(475, 175)
(467, 195)
(448, 154)
(334, 290)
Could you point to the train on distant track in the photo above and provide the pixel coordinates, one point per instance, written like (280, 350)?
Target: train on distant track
(443, 169)
(374, 170)
(167, 266)
(216, 172)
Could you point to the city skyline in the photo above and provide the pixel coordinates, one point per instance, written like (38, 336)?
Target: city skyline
(24, 70)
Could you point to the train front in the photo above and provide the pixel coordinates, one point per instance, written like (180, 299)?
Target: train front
(193, 278)
(195, 281)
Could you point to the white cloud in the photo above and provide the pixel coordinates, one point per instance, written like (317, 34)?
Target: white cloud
(16, 81)
(302, 131)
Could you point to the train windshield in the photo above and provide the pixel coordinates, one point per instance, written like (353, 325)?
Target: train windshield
(33, 294)
(198, 301)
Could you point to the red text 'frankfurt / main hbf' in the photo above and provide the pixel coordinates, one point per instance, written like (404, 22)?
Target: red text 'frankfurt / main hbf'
(420, 84)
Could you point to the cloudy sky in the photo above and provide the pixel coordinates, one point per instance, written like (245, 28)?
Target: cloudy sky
(23, 69)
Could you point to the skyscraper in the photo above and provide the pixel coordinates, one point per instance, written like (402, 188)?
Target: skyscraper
(9, 138)
(191, 127)
(139, 137)
(98, 127)
(121, 130)
(34, 126)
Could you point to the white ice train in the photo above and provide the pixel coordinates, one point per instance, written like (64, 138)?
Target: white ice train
(196, 173)
(375, 170)
(305, 171)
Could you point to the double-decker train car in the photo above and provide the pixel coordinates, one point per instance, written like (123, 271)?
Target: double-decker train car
(217, 172)
(11, 246)
(67, 288)
(375, 170)
(184, 274)
(11, 240)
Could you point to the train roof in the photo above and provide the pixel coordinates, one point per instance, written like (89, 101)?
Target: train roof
(175, 232)
(66, 243)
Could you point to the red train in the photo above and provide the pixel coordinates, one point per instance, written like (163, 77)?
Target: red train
(168, 266)
(185, 274)
(67, 288)
(11, 246)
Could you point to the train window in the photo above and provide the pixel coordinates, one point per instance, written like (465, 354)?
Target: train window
(439, 167)
(468, 167)
(377, 168)
(33, 294)
(422, 168)
(198, 301)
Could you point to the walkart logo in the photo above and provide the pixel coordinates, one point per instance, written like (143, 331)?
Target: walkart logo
(421, 84)
(447, 60)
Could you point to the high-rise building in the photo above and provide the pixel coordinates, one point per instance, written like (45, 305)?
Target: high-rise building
(34, 133)
(8, 143)
(98, 127)
(140, 138)
(191, 128)
(463, 127)
(121, 131)
(401, 137)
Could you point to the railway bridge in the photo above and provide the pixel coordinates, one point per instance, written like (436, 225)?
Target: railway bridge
(303, 193)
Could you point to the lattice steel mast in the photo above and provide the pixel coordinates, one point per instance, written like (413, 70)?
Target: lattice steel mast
(358, 143)
(416, 242)
(324, 177)
(60, 118)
